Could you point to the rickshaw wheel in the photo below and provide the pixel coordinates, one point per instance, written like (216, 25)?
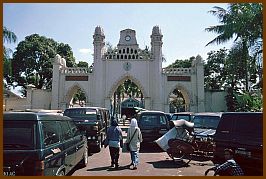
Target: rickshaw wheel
(179, 157)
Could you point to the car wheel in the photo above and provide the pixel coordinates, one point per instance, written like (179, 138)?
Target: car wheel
(61, 173)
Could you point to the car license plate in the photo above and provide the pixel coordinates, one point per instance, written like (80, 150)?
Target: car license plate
(243, 152)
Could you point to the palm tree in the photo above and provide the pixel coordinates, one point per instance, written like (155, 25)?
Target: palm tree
(8, 37)
(242, 21)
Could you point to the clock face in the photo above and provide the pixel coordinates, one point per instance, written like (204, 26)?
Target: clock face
(127, 66)
(127, 38)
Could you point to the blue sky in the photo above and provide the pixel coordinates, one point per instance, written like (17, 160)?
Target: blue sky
(182, 25)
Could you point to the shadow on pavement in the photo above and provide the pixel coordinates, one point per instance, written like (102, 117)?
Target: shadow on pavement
(201, 158)
(150, 148)
(99, 168)
(146, 148)
(107, 168)
(166, 164)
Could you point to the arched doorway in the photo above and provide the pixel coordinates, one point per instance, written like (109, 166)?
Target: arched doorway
(125, 95)
(75, 96)
(179, 100)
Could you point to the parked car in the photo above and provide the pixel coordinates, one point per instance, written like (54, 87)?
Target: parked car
(243, 133)
(94, 121)
(41, 144)
(152, 124)
(205, 124)
(188, 116)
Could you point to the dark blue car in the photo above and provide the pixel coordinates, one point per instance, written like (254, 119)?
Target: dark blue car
(41, 144)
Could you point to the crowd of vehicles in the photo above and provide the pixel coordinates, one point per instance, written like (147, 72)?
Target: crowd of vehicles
(49, 143)
(208, 134)
(38, 142)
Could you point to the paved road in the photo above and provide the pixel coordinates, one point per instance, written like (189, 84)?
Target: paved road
(153, 162)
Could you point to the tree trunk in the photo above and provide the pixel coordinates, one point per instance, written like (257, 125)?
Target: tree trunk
(245, 50)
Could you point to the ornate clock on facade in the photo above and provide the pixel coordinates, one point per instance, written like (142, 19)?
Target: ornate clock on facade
(127, 66)
(127, 38)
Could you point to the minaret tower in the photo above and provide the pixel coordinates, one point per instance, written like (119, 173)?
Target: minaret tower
(156, 68)
(99, 65)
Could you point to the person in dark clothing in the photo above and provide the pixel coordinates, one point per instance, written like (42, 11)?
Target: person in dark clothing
(114, 136)
(229, 168)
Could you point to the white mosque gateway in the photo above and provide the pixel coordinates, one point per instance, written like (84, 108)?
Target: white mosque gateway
(111, 68)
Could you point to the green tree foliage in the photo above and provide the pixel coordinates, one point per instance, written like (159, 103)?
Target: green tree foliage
(32, 60)
(131, 89)
(244, 101)
(241, 22)
(79, 96)
(126, 89)
(83, 64)
(65, 51)
(182, 63)
(249, 102)
(178, 100)
(224, 70)
(214, 73)
(234, 71)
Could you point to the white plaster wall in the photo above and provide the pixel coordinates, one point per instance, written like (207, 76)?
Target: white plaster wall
(15, 104)
(115, 73)
(38, 99)
(215, 101)
(41, 99)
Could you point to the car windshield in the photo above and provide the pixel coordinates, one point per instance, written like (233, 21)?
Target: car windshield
(206, 122)
(179, 116)
(85, 114)
(152, 120)
(19, 135)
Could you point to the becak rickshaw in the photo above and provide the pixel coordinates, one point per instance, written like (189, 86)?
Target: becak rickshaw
(178, 142)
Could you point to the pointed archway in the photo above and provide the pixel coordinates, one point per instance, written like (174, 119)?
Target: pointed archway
(130, 99)
(68, 98)
(179, 99)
